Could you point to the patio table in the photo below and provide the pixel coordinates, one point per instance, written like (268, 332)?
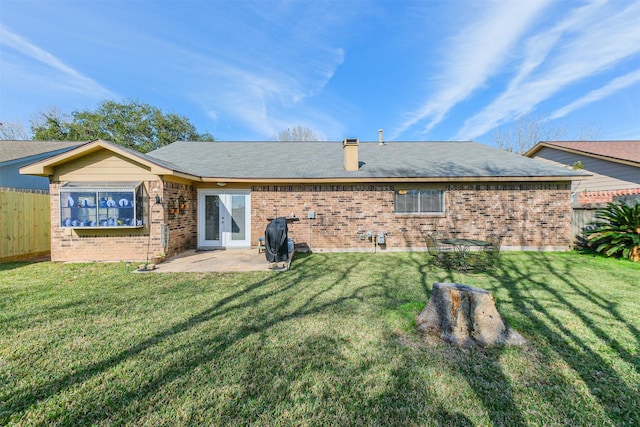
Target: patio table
(462, 247)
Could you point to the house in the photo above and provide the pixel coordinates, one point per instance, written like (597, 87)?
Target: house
(24, 199)
(615, 166)
(16, 154)
(110, 203)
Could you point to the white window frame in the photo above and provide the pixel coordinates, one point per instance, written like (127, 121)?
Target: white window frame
(101, 205)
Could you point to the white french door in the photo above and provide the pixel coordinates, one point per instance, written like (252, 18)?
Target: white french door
(224, 219)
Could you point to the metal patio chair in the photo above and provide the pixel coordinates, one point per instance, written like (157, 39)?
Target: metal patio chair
(490, 254)
(440, 255)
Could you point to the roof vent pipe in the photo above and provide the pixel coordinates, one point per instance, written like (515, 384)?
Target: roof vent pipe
(350, 153)
(380, 140)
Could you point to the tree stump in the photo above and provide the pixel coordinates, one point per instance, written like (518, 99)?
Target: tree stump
(465, 316)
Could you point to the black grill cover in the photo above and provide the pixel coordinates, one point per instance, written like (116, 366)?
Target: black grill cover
(275, 240)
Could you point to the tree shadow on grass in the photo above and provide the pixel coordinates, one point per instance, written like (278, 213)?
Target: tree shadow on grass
(234, 354)
(483, 368)
(480, 368)
(191, 355)
(526, 286)
(25, 398)
(568, 278)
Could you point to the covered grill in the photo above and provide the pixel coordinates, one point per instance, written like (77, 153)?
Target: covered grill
(276, 243)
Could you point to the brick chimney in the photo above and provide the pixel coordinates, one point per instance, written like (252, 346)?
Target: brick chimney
(350, 153)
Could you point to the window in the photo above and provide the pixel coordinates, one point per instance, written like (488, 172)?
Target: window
(419, 201)
(103, 205)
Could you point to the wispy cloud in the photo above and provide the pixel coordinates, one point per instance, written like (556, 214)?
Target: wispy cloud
(614, 86)
(265, 100)
(589, 41)
(474, 56)
(71, 79)
(270, 90)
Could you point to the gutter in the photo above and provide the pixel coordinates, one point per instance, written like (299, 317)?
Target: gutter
(343, 180)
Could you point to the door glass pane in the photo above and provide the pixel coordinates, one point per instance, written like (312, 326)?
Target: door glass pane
(238, 227)
(212, 218)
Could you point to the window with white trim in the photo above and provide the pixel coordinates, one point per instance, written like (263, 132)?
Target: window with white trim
(101, 205)
(419, 201)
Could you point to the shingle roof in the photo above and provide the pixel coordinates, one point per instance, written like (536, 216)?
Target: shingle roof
(293, 160)
(618, 150)
(13, 150)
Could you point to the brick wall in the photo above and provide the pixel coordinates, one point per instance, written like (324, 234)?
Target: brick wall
(180, 205)
(130, 244)
(527, 215)
(117, 244)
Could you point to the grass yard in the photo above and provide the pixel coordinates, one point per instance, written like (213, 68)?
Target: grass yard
(331, 342)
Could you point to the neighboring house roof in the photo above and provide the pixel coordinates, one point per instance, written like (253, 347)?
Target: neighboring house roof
(298, 161)
(627, 152)
(16, 150)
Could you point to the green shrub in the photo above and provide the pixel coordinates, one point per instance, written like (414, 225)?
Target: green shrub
(616, 231)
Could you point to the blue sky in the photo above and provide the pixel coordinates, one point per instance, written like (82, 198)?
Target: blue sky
(244, 70)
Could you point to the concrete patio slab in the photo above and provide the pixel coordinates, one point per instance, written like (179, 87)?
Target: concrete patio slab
(228, 260)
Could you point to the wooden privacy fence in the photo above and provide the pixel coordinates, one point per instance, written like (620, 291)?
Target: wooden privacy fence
(24, 223)
(582, 216)
(585, 214)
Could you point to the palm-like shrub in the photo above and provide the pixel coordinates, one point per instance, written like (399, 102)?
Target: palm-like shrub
(616, 231)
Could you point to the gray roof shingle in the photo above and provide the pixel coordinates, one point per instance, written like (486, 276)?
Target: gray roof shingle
(13, 150)
(294, 160)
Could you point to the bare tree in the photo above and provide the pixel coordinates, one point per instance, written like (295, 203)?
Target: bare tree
(296, 134)
(587, 132)
(12, 131)
(524, 133)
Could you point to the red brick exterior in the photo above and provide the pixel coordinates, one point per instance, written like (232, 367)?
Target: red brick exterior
(591, 197)
(183, 222)
(527, 215)
(131, 244)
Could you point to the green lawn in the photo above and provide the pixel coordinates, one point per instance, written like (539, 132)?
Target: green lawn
(331, 342)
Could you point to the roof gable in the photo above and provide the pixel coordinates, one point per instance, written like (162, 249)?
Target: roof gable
(46, 167)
